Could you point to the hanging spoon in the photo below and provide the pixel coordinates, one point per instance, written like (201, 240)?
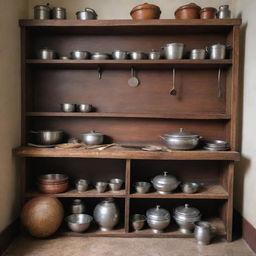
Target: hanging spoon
(100, 72)
(173, 91)
(133, 81)
(219, 87)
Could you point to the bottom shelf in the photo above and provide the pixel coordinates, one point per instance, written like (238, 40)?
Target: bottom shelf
(146, 232)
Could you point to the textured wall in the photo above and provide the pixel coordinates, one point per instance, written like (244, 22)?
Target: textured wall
(10, 12)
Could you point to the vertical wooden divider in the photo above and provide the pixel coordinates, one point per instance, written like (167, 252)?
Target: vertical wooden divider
(127, 192)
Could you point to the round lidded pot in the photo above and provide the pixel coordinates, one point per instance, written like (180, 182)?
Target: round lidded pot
(93, 138)
(158, 219)
(77, 206)
(165, 184)
(217, 51)
(208, 13)
(106, 214)
(42, 12)
(188, 11)
(181, 140)
(145, 11)
(154, 55)
(87, 14)
(197, 54)
(186, 216)
(59, 13)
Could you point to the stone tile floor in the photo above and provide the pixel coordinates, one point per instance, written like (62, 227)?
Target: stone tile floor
(96, 246)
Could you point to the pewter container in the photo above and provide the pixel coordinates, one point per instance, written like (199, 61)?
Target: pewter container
(138, 221)
(224, 12)
(173, 51)
(59, 13)
(158, 219)
(79, 222)
(77, 206)
(79, 55)
(154, 55)
(142, 187)
(119, 55)
(93, 138)
(82, 185)
(217, 51)
(46, 54)
(101, 186)
(68, 107)
(87, 14)
(106, 214)
(137, 55)
(204, 232)
(191, 187)
(197, 54)
(42, 12)
(165, 184)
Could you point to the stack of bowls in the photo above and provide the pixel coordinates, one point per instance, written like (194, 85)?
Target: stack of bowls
(216, 145)
(52, 183)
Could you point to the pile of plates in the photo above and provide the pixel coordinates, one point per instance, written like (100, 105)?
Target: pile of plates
(216, 145)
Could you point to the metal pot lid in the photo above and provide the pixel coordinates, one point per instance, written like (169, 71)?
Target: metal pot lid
(181, 134)
(186, 211)
(165, 179)
(94, 133)
(42, 7)
(158, 213)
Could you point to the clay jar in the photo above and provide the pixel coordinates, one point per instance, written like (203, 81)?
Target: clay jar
(188, 11)
(145, 11)
(208, 13)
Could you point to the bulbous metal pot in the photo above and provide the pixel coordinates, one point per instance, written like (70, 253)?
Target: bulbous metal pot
(106, 214)
(158, 226)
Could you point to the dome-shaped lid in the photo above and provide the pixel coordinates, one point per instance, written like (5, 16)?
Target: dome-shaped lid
(164, 179)
(145, 6)
(186, 211)
(181, 134)
(158, 213)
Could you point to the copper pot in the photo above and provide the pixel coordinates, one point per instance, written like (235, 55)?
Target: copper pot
(188, 11)
(145, 11)
(52, 188)
(208, 13)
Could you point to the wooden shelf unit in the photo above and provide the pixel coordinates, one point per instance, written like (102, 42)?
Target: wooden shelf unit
(136, 116)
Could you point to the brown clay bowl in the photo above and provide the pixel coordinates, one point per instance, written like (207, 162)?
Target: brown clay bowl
(145, 12)
(52, 188)
(54, 178)
(188, 11)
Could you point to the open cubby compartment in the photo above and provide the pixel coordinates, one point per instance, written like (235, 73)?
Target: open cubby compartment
(211, 211)
(92, 170)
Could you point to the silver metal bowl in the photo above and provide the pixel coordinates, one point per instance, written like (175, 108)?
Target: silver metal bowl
(79, 222)
(115, 184)
(142, 187)
(119, 55)
(46, 137)
(82, 185)
(68, 107)
(100, 56)
(138, 221)
(84, 108)
(191, 187)
(101, 186)
(137, 55)
(79, 55)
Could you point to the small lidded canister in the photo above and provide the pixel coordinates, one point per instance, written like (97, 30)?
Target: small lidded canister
(59, 13)
(42, 12)
(77, 207)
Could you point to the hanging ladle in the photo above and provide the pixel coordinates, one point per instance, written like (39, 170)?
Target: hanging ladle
(173, 91)
(219, 86)
(100, 72)
(133, 80)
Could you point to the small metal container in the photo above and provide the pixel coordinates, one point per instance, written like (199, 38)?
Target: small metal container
(42, 12)
(119, 55)
(158, 219)
(173, 51)
(46, 54)
(79, 222)
(224, 12)
(93, 138)
(59, 13)
(191, 187)
(82, 185)
(138, 221)
(154, 55)
(79, 55)
(197, 54)
(217, 52)
(115, 184)
(87, 14)
(101, 186)
(46, 137)
(186, 216)
(68, 107)
(137, 55)
(204, 232)
(64, 58)
(77, 206)
(84, 108)
(142, 187)
(100, 56)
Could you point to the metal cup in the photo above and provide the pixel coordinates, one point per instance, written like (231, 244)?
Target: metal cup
(138, 221)
(59, 13)
(84, 108)
(204, 231)
(101, 186)
(82, 185)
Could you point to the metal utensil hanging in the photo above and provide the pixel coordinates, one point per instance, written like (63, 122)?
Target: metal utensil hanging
(173, 91)
(133, 80)
(219, 93)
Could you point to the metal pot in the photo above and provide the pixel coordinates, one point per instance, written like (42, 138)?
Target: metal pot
(42, 12)
(224, 12)
(204, 231)
(46, 54)
(77, 206)
(154, 55)
(191, 187)
(101, 186)
(59, 13)
(79, 222)
(93, 138)
(84, 108)
(173, 51)
(142, 187)
(197, 54)
(79, 55)
(186, 216)
(182, 140)
(138, 221)
(217, 51)
(100, 56)
(119, 55)
(158, 219)
(137, 55)
(106, 214)
(45, 137)
(87, 14)
(68, 107)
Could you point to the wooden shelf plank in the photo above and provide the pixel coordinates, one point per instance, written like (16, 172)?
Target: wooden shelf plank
(121, 153)
(121, 64)
(208, 192)
(73, 193)
(131, 115)
(129, 23)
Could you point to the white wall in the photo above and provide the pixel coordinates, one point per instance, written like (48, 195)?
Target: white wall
(10, 12)
(245, 179)
(113, 9)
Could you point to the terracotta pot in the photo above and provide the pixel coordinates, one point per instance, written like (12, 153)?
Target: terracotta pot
(208, 13)
(145, 11)
(188, 11)
(52, 188)
(52, 178)
(42, 216)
